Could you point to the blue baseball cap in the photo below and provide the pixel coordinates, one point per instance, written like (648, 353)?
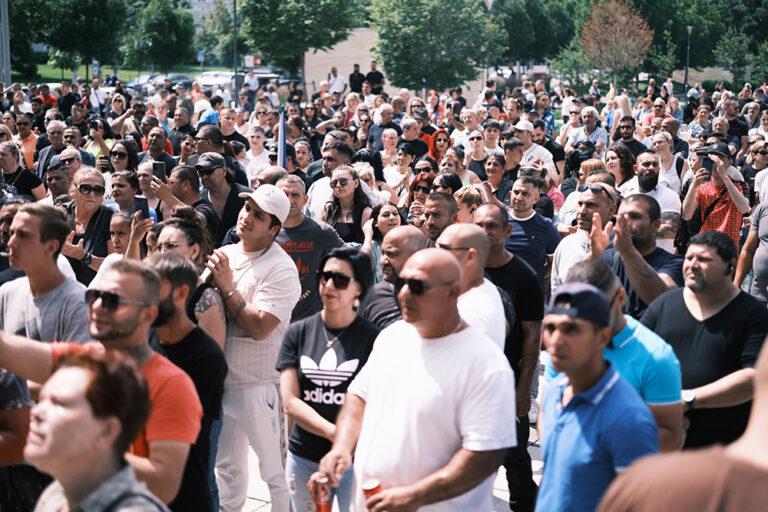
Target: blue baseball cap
(581, 300)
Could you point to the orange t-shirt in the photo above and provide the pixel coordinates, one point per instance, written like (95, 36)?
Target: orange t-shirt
(176, 409)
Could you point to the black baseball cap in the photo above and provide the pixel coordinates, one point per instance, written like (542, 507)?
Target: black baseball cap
(581, 300)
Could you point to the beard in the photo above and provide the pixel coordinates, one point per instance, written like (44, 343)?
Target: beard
(166, 310)
(648, 181)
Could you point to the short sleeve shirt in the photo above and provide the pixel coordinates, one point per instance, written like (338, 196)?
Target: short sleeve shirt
(724, 216)
(533, 239)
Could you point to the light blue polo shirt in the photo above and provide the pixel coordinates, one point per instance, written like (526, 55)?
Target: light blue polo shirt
(644, 360)
(598, 434)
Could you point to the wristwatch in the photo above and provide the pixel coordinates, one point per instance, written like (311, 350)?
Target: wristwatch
(689, 400)
(87, 259)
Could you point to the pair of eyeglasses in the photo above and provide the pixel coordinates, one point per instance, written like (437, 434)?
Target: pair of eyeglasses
(340, 182)
(118, 155)
(763, 152)
(418, 287)
(475, 138)
(205, 171)
(340, 281)
(96, 190)
(422, 188)
(109, 300)
(596, 188)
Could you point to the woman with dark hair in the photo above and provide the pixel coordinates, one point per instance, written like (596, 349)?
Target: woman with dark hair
(373, 158)
(412, 205)
(185, 233)
(124, 155)
(350, 208)
(99, 138)
(384, 218)
(621, 163)
(447, 183)
(425, 164)
(497, 186)
(400, 175)
(321, 355)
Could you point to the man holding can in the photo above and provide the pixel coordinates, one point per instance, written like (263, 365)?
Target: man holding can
(432, 412)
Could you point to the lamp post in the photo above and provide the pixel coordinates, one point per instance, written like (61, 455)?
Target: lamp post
(489, 5)
(234, 37)
(687, 57)
(5, 47)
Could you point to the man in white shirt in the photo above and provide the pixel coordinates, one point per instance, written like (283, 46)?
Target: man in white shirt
(260, 286)
(589, 131)
(336, 82)
(432, 411)
(533, 152)
(98, 97)
(258, 156)
(480, 303)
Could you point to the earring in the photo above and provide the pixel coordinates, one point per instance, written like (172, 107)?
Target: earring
(356, 304)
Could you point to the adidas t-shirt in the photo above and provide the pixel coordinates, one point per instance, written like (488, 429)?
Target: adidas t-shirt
(324, 373)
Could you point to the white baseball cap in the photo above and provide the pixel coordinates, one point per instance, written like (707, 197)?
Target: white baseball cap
(524, 126)
(270, 199)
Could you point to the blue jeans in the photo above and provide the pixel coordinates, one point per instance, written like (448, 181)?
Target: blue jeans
(298, 470)
(215, 431)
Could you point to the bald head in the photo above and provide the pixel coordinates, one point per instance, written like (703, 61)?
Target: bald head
(433, 265)
(398, 245)
(271, 175)
(457, 237)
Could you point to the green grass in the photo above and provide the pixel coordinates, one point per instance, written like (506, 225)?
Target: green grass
(49, 74)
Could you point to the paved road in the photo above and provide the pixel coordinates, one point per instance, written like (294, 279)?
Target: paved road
(258, 494)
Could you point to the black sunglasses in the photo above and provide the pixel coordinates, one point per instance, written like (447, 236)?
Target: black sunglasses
(421, 188)
(97, 190)
(418, 287)
(340, 281)
(596, 189)
(763, 152)
(109, 300)
(118, 155)
(341, 181)
(205, 171)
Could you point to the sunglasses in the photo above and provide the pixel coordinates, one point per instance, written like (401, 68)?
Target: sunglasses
(340, 281)
(23, 123)
(763, 152)
(118, 155)
(596, 189)
(206, 171)
(575, 112)
(341, 181)
(441, 140)
(109, 300)
(475, 138)
(418, 287)
(97, 190)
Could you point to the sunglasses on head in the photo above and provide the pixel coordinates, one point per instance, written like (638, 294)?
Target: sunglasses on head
(340, 281)
(109, 300)
(97, 190)
(118, 155)
(341, 181)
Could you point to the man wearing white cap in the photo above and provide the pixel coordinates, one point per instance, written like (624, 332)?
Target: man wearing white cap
(533, 152)
(260, 286)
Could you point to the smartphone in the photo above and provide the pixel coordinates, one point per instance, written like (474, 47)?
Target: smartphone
(93, 125)
(707, 163)
(158, 169)
(104, 164)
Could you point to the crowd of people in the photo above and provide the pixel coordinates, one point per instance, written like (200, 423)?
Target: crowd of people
(385, 316)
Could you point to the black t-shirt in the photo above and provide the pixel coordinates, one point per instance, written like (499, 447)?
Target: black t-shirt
(726, 342)
(557, 149)
(94, 239)
(239, 137)
(21, 182)
(661, 261)
(376, 79)
(519, 280)
(545, 207)
(324, 373)
(203, 360)
(231, 210)
(749, 173)
(478, 167)
(738, 127)
(356, 82)
(634, 146)
(380, 306)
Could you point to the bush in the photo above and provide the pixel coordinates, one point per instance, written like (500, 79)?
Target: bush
(709, 85)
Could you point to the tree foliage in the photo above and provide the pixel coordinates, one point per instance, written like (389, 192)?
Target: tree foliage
(283, 30)
(215, 36)
(732, 52)
(90, 29)
(24, 27)
(434, 43)
(571, 66)
(615, 37)
(663, 57)
(760, 63)
(162, 36)
(535, 29)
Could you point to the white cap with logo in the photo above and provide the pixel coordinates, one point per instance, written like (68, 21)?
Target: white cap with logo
(270, 199)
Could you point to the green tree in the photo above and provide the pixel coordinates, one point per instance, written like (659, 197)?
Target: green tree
(434, 43)
(760, 62)
(732, 52)
(24, 30)
(90, 29)
(571, 66)
(62, 60)
(215, 36)
(663, 58)
(283, 30)
(162, 36)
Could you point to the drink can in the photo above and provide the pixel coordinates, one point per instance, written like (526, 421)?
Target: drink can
(323, 497)
(371, 487)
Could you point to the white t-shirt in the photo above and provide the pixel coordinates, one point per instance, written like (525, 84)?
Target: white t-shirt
(481, 307)
(571, 250)
(760, 181)
(537, 152)
(256, 163)
(107, 263)
(425, 399)
(269, 280)
(336, 83)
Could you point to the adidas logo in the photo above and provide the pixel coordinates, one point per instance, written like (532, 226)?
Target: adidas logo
(327, 373)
